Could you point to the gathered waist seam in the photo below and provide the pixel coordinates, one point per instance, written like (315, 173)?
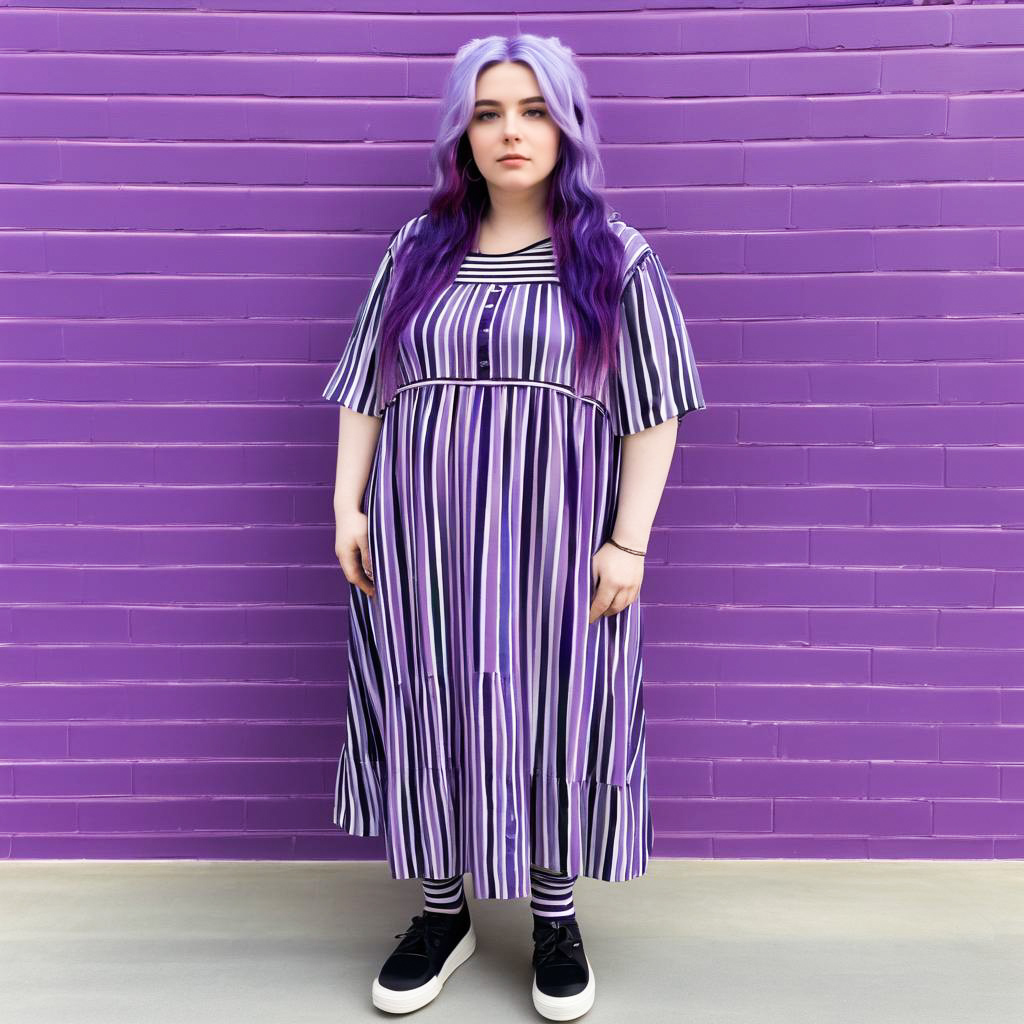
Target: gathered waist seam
(564, 389)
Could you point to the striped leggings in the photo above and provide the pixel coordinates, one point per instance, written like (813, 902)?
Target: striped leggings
(550, 894)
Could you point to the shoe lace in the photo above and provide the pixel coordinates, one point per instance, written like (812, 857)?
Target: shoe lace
(423, 932)
(554, 944)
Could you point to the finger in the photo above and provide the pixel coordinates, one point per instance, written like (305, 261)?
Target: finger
(366, 581)
(600, 603)
(616, 603)
(367, 567)
(352, 565)
(623, 600)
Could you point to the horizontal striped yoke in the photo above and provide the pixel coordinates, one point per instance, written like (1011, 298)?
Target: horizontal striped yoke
(490, 726)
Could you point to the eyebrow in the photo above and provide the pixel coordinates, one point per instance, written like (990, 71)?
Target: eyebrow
(495, 103)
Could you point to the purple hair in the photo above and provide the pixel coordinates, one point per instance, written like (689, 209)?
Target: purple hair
(588, 252)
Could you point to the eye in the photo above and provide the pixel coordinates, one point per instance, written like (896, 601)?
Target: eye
(532, 110)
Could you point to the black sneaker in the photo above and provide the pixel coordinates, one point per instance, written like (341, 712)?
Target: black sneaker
(431, 948)
(563, 980)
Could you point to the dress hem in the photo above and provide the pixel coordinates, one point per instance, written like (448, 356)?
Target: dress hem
(359, 811)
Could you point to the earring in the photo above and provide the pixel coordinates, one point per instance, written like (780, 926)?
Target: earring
(469, 176)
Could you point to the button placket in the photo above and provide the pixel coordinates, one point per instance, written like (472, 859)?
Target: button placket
(483, 347)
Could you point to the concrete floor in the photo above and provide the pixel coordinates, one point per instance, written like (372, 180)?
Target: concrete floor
(710, 942)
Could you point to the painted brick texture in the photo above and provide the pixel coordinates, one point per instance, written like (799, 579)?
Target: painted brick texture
(191, 204)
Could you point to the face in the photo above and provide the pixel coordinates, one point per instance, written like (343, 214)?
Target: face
(502, 123)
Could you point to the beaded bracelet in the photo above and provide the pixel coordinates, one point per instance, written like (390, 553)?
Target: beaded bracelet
(611, 540)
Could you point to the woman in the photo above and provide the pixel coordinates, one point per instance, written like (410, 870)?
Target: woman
(511, 393)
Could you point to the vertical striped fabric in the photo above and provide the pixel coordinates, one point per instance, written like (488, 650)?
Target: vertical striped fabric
(490, 726)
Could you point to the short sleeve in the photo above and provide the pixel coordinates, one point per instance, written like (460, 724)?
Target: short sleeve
(657, 376)
(354, 382)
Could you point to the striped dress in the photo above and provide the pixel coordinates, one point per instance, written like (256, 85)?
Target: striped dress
(489, 725)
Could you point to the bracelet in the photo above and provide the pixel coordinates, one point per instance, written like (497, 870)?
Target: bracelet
(611, 540)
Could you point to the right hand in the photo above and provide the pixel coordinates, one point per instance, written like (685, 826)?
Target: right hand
(352, 546)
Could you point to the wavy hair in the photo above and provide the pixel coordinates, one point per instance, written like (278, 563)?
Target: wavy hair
(588, 252)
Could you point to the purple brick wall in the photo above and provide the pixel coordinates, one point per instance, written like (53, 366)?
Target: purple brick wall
(191, 204)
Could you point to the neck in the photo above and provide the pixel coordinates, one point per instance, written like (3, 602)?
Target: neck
(517, 212)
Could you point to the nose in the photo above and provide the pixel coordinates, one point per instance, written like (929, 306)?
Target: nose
(511, 126)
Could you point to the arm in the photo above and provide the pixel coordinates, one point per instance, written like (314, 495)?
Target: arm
(656, 384)
(646, 458)
(353, 386)
(357, 443)
(644, 466)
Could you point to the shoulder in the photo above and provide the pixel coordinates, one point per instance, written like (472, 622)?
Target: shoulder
(635, 246)
(406, 230)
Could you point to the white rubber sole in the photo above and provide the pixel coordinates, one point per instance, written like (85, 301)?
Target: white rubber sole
(566, 1007)
(404, 1001)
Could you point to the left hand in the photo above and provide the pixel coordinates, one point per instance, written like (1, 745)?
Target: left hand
(617, 576)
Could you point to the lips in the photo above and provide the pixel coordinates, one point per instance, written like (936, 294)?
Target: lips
(510, 157)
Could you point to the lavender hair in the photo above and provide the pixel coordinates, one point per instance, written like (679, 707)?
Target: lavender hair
(588, 252)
